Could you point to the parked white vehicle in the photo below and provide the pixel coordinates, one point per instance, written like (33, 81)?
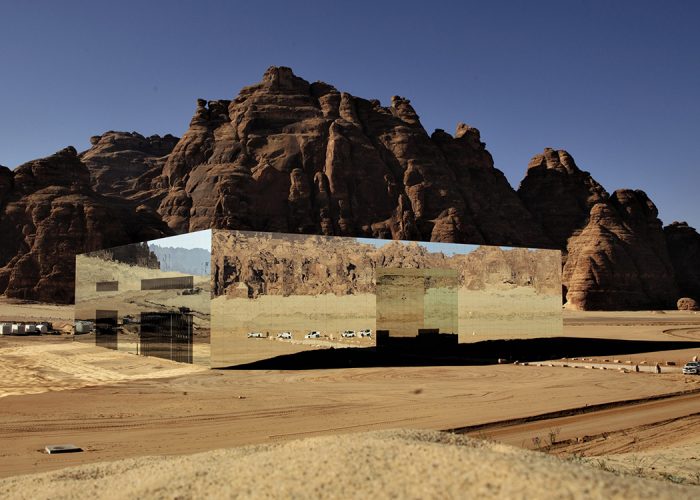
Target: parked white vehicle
(84, 326)
(255, 335)
(366, 332)
(284, 335)
(313, 335)
(348, 333)
(692, 368)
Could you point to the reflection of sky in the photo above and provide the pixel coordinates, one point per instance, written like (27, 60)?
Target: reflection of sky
(433, 247)
(198, 239)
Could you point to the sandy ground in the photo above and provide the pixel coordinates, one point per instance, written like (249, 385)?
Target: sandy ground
(397, 464)
(115, 406)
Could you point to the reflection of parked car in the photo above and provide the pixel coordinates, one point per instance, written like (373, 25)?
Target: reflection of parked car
(284, 335)
(313, 335)
(255, 335)
(692, 368)
(366, 333)
(348, 333)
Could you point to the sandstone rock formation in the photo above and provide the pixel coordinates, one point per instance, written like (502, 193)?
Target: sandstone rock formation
(49, 213)
(614, 252)
(292, 156)
(684, 249)
(688, 304)
(287, 155)
(126, 164)
(559, 195)
(619, 260)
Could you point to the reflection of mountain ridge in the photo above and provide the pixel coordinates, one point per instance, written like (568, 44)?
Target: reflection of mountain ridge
(194, 261)
(137, 254)
(258, 263)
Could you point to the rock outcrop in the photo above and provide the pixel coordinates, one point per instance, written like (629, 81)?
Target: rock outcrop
(687, 304)
(48, 214)
(287, 155)
(614, 252)
(559, 195)
(684, 249)
(619, 261)
(126, 164)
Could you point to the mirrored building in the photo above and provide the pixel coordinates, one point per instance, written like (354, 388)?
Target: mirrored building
(250, 296)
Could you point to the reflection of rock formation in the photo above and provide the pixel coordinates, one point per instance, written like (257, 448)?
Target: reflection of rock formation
(137, 254)
(310, 265)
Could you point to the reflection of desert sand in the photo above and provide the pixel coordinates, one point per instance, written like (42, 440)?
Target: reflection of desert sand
(508, 313)
(39, 365)
(130, 299)
(234, 318)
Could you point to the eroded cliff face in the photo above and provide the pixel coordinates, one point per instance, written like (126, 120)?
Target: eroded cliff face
(49, 213)
(559, 194)
(619, 261)
(292, 156)
(128, 165)
(614, 252)
(684, 251)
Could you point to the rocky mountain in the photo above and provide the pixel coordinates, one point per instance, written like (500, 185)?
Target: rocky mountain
(620, 258)
(292, 156)
(615, 254)
(128, 165)
(48, 213)
(684, 250)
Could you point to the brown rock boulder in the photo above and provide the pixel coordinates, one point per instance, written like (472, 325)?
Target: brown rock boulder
(684, 249)
(287, 155)
(49, 214)
(619, 260)
(687, 304)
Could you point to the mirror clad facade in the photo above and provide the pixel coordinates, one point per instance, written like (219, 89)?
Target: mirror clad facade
(224, 298)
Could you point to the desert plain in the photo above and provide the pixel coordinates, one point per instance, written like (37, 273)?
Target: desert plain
(588, 427)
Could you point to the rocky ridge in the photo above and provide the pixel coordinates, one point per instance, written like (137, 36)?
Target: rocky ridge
(292, 156)
(49, 213)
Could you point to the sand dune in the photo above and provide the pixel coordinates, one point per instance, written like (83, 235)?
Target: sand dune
(396, 464)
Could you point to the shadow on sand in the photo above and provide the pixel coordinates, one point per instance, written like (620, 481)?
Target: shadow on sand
(479, 353)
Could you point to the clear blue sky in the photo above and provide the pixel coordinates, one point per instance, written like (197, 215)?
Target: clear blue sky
(614, 83)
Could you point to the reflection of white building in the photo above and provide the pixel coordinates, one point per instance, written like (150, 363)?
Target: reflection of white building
(204, 310)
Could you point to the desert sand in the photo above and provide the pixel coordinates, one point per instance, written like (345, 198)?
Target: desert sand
(389, 464)
(116, 405)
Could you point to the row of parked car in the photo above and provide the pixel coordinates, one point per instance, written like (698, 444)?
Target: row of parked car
(314, 335)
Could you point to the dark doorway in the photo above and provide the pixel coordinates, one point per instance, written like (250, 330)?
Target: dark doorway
(167, 335)
(106, 328)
